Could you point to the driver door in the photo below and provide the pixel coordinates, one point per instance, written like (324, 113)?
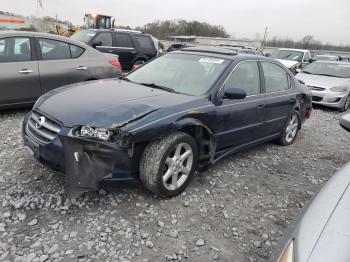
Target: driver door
(240, 121)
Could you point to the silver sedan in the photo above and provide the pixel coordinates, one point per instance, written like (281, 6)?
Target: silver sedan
(33, 63)
(329, 83)
(323, 231)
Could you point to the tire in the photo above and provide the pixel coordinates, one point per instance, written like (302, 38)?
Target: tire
(162, 171)
(290, 130)
(346, 105)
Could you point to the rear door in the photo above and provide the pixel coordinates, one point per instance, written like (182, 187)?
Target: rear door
(280, 96)
(19, 71)
(124, 47)
(240, 121)
(62, 64)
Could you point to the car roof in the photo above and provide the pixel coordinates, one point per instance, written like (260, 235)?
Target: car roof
(118, 30)
(43, 35)
(332, 62)
(220, 52)
(294, 49)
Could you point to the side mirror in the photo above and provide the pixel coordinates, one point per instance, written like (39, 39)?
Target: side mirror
(311, 60)
(96, 44)
(345, 122)
(235, 93)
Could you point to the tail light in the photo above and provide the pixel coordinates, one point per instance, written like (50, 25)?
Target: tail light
(116, 64)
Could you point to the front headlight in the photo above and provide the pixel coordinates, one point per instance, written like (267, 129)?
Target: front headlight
(288, 253)
(339, 89)
(99, 133)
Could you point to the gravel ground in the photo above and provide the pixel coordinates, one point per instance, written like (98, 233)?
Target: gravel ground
(235, 211)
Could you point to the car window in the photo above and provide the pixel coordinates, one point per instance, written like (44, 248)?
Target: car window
(15, 49)
(54, 50)
(76, 51)
(105, 38)
(145, 42)
(123, 40)
(276, 78)
(245, 76)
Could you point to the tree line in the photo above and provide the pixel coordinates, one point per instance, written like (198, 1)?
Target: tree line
(307, 42)
(164, 29)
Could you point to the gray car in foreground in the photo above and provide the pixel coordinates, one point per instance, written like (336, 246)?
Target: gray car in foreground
(323, 231)
(33, 63)
(329, 83)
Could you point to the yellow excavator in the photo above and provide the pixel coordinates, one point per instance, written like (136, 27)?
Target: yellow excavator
(91, 21)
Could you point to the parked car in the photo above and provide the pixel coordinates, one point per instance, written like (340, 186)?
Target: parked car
(133, 47)
(294, 59)
(326, 58)
(163, 121)
(322, 232)
(178, 46)
(32, 64)
(250, 51)
(329, 83)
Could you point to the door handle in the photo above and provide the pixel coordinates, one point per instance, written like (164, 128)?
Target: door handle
(110, 51)
(260, 106)
(25, 71)
(292, 100)
(81, 68)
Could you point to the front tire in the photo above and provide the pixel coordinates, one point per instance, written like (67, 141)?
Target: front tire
(346, 105)
(168, 165)
(291, 129)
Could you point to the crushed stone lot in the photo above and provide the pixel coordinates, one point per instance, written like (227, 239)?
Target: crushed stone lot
(237, 210)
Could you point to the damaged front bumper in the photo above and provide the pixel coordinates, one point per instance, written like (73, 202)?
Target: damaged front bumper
(85, 162)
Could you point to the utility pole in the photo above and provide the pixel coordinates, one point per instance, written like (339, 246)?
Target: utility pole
(266, 30)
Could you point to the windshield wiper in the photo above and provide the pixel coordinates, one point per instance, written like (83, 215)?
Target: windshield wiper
(306, 72)
(153, 85)
(326, 75)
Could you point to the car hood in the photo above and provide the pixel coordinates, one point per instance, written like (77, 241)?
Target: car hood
(288, 63)
(105, 103)
(322, 81)
(323, 233)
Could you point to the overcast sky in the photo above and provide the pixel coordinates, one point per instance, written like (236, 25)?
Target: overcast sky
(328, 21)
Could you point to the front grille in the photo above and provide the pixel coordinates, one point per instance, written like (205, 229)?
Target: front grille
(316, 88)
(317, 98)
(41, 128)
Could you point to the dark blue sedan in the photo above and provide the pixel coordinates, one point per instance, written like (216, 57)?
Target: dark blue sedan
(172, 116)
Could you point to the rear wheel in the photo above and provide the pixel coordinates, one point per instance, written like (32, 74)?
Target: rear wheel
(168, 164)
(346, 105)
(290, 130)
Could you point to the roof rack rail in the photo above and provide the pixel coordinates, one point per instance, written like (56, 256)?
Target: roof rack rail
(127, 30)
(212, 50)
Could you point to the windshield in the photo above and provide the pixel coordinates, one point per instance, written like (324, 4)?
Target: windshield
(83, 36)
(287, 55)
(183, 73)
(328, 69)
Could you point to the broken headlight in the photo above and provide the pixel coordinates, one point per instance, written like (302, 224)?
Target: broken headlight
(94, 132)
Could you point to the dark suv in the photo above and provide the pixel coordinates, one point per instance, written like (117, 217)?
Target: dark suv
(133, 47)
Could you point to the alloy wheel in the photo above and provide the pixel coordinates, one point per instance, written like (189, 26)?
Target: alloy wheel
(178, 166)
(347, 103)
(292, 129)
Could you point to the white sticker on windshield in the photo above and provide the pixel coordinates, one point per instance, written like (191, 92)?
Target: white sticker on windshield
(91, 34)
(211, 60)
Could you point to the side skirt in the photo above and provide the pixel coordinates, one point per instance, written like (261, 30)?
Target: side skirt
(224, 153)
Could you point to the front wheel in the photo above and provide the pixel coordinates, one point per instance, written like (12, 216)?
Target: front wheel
(346, 105)
(290, 130)
(167, 165)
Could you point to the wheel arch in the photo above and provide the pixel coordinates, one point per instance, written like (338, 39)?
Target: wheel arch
(203, 136)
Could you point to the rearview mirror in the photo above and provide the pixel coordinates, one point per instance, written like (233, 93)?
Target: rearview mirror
(235, 93)
(345, 122)
(96, 44)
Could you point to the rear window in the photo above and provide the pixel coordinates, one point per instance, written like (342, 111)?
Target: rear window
(76, 51)
(144, 42)
(83, 36)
